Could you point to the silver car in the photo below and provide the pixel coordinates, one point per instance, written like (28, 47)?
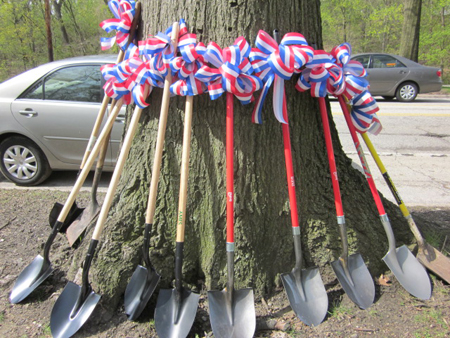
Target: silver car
(395, 76)
(47, 115)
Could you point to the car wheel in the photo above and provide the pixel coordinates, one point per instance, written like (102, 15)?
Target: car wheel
(407, 92)
(22, 162)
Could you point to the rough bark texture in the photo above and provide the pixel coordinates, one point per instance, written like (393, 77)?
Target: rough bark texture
(409, 43)
(264, 246)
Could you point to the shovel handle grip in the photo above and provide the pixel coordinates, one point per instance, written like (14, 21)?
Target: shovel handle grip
(289, 168)
(362, 158)
(230, 169)
(331, 159)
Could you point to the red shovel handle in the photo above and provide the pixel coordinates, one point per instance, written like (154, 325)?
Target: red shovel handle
(289, 167)
(331, 159)
(230, 169)
(362, 158)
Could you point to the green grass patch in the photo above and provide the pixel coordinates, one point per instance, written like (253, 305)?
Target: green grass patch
(436, 325)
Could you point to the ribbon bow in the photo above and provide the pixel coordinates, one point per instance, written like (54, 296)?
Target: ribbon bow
(322, 76)
(271, 61)
(124, 11)
(186, 65)
(128, 78)
(364, 106)
(233, 73)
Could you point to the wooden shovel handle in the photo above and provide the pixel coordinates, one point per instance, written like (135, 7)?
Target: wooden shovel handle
(181, 220)
(105, 102)
(151, 203)
(124, 151)
(89, 162)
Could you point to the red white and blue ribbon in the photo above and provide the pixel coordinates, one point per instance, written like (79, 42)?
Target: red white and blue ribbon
(124, 11)
(271, 60)
(233, 72)
(321, 76)
(364, 106)
(185, 66)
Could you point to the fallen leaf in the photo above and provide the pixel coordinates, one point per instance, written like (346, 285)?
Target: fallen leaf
(384, 280)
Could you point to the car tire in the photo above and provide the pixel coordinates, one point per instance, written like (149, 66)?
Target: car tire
(22, 162)
(407, 92)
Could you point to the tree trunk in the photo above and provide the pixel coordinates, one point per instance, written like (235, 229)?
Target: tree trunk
(263, 235)
(57, 6)
(48, 30)
(409, 41)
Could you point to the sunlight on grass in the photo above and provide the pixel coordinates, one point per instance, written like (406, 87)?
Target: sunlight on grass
(438, 326)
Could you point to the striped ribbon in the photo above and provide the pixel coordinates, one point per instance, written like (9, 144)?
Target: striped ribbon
(364, 106)
(123, 11)
(270, 60)
(233, 73)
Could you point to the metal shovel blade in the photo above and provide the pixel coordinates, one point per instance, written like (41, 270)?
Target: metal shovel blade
(360, 289)
(307, 295)
(175, 312)
(232, 319)
(139, 290)
(79, 225)
(30, 278)
(68, 315)
(435, 261)
(409, 272)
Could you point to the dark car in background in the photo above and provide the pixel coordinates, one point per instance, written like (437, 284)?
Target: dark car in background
(392, 76)
(47, 115)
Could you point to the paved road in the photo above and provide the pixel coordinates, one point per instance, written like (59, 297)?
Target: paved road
(414, 147)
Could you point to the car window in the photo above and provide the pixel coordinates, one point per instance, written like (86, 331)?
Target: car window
(386, 61)
(363, 59)
(76, 83)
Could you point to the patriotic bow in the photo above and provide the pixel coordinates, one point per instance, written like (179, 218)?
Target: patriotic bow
(124, 11)
(186, 65)
(275, 63)
(364, 106)
(233, 73)
(128, 78)
(354, 72)
(322, 76)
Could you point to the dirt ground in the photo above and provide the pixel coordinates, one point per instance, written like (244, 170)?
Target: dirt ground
(24, 229)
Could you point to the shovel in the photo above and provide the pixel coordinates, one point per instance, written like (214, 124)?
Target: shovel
(232, 311)
(75, 304)
(78, 225)
(304, 287)
(351, 271)
(145, 278)
(429, 256)
(40, 268)
(176, 308)
(406, 268)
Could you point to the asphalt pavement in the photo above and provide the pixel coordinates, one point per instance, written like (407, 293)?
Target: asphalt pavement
(414, 146)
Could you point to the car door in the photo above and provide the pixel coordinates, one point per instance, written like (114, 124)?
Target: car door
(60, 110)
(385, 74)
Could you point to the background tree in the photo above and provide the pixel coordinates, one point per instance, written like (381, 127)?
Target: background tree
(264, 246)
(409, 43)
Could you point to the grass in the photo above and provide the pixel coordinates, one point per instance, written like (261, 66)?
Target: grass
(338, 310)
(445, 90)
(437, 326)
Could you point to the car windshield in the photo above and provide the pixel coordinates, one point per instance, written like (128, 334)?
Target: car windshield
(386, 61)
(75, 83)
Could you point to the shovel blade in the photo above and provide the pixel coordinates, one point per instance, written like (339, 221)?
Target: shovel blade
(68, 315)
(307, 295)
(79, 225)
(139, 290)
(360, 289)
(434, 261)
(409, 272)
(30, 278)
(175, 312)
(235, 319)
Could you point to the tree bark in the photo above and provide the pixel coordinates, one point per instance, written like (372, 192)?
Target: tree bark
(409, 41)
(263, 235)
